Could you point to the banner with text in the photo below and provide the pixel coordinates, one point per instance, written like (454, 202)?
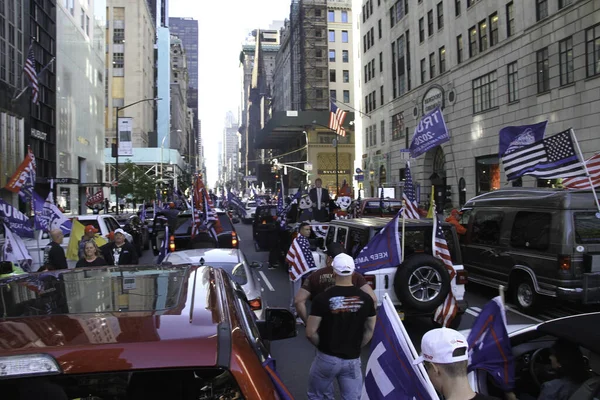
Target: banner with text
(125, 136)
(429, 133)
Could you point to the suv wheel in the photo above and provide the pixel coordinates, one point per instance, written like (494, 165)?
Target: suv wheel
(422, 283)
(524, 294)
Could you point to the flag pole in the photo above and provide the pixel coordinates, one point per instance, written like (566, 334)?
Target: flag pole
(403, 230)
(587, 173)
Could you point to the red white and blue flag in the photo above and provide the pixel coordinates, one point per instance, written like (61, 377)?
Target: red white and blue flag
(299, 258)
(210, 216)
(32, 75)
(446, 311)
(582, 182)
(409, 196)
(336, 119)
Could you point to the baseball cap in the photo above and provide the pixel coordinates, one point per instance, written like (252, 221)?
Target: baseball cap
(121, 231)
(438, 346)
(343, 264)
(333, 249)
(90, 229)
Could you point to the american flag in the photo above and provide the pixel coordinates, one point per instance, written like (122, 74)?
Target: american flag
(336, 119)
(446, 312)
(210, 216)
(553, 157)
(300, 258)
(582, 182)
(409, 197)
(31, 73)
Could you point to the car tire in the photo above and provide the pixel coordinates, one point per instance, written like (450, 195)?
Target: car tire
(430, 281)
(524, 294)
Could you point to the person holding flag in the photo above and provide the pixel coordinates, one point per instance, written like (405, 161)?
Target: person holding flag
(300, 261)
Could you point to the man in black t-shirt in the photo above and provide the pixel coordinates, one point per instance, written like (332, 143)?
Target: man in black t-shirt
(54, 254)
(341, 322)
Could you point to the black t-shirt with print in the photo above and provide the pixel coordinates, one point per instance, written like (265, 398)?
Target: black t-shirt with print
(344, 311)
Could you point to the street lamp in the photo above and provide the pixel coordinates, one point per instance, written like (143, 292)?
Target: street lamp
(334, 143)
(117, 152)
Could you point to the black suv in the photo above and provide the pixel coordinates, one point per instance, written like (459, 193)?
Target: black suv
(180, 232)
(264, 225)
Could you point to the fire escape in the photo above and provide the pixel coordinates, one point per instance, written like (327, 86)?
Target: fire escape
(314, 53)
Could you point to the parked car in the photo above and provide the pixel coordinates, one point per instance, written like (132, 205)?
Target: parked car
(531, 350)
(422, 282)
(264, 225)
(537, 242)
(250, 207)
(180, 232)
(371, 207)
(176, 332)
(235, 263)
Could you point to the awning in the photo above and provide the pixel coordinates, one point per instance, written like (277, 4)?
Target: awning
(288, 125)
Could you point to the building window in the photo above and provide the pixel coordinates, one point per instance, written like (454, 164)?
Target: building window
(344, 36)
(423, 72)
(421, 30)
(484, 92)
(493, 29)
(380, 29)
(118, 60)
(543, 70)
(118, 36)
(565, 48)
(345, 56)
(483, 39)
(457, 7)
(442, 56)
(319, 93)
(487, 173)
(431, 65)
(429, 22)
(332, 36)
(564, 3)
(366, 73)
(346, 76)
(346, 96)
(332, 75)
(87, 25)
(382, 99)
(374, 132)
(472, 41)
(510, 17)
(397, 126)
(345, 16)
(513, 85)
(330, 16)
(459, 49)
(319, 54)
(331, 55)
(592, 50)
(381, 62)
(382, 130)
(333, 94)
(541, 9)
(318, 12)
(440, 15)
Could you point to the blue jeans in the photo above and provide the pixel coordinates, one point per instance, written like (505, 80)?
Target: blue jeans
(325, 369)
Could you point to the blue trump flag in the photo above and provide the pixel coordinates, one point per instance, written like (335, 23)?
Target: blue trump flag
(164, 247)
(514, 137)
(429, 133)
(235, 202)
(489, 345)
(15, 220)
(383, 250)
(48, 216)
(390, 371)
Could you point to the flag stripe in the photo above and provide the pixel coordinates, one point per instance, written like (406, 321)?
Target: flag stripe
(593, 166)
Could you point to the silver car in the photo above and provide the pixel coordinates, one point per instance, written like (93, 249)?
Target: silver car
(234, 262)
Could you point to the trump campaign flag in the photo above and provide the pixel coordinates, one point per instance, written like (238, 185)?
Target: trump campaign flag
(390, 371)
(18, 222)
(515, 137)
(48, 216)
(429, 133)
(300, 258)
(15, 251)
(383, 250)
(24, 178)
(489, 345)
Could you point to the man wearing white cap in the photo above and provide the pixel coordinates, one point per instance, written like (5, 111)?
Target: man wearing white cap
(341, 322)
(445, 355)
(119, 252)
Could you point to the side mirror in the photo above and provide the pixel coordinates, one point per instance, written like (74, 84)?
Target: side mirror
(279, 324)
(255, 264)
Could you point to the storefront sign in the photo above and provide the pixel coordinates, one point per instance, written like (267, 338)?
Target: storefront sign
(38, 134)
(434, 97)
(125, 126)
(332, 171)
(59, 181)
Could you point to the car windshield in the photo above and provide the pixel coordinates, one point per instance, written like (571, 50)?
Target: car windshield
(91, 291)
(587, 228)
(235, 270)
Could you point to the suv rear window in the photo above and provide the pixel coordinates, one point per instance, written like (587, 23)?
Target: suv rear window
(225, 222)
(531, 230)
(587, 228)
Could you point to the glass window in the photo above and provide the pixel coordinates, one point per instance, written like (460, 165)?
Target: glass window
(423, 71)
(487, 170)
(381, 62)
(431, 65)
(330, 235)
(380, 29)
(564, 3)
(587, 228)
(566, 60)
(483, 39)
(442, 57)
(344, 56)
(344, 16)
(457, 7)
(341, 235)
(531, 230)
(472, 41)
(486, 227)
(358, 239)
(541, 9)
(493, 29)
(513, 87)
(332, 75)
(421, 30)
(332, 36)
(510, 16)
(543, 70)
(346, 96)
(429, 22)
(333, 94)
(382, 97)
(484, 92)
(592, 50)
(440, 15)
(330, 16)
(346, 76)
(382, 128)
(459, 49)
(331, 55)
(344, 36)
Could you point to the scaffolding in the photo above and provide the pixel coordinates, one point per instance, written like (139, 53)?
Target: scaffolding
(314, 74)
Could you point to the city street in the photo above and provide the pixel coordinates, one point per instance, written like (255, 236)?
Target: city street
(294, 356)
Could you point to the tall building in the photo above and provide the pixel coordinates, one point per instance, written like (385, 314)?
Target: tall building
(179, 110)
(231, 148)
(187, 30)
(487, 65)
(80, 71)
(163, 74)
(23, 123)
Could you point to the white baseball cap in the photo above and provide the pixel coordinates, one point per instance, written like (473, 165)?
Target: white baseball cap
(438, 346)
(121, 231)
(343, 264)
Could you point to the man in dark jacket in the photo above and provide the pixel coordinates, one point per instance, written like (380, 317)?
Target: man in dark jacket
(319, 197)
(119, 252)
(54, 254)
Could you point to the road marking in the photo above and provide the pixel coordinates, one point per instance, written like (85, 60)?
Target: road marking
(476, 309)
(511, 309)
(262, 274)
(471, 310)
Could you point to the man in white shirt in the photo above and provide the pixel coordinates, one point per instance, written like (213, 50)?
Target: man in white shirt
(320, 201)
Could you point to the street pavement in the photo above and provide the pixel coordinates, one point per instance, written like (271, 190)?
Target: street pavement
(294, 356)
